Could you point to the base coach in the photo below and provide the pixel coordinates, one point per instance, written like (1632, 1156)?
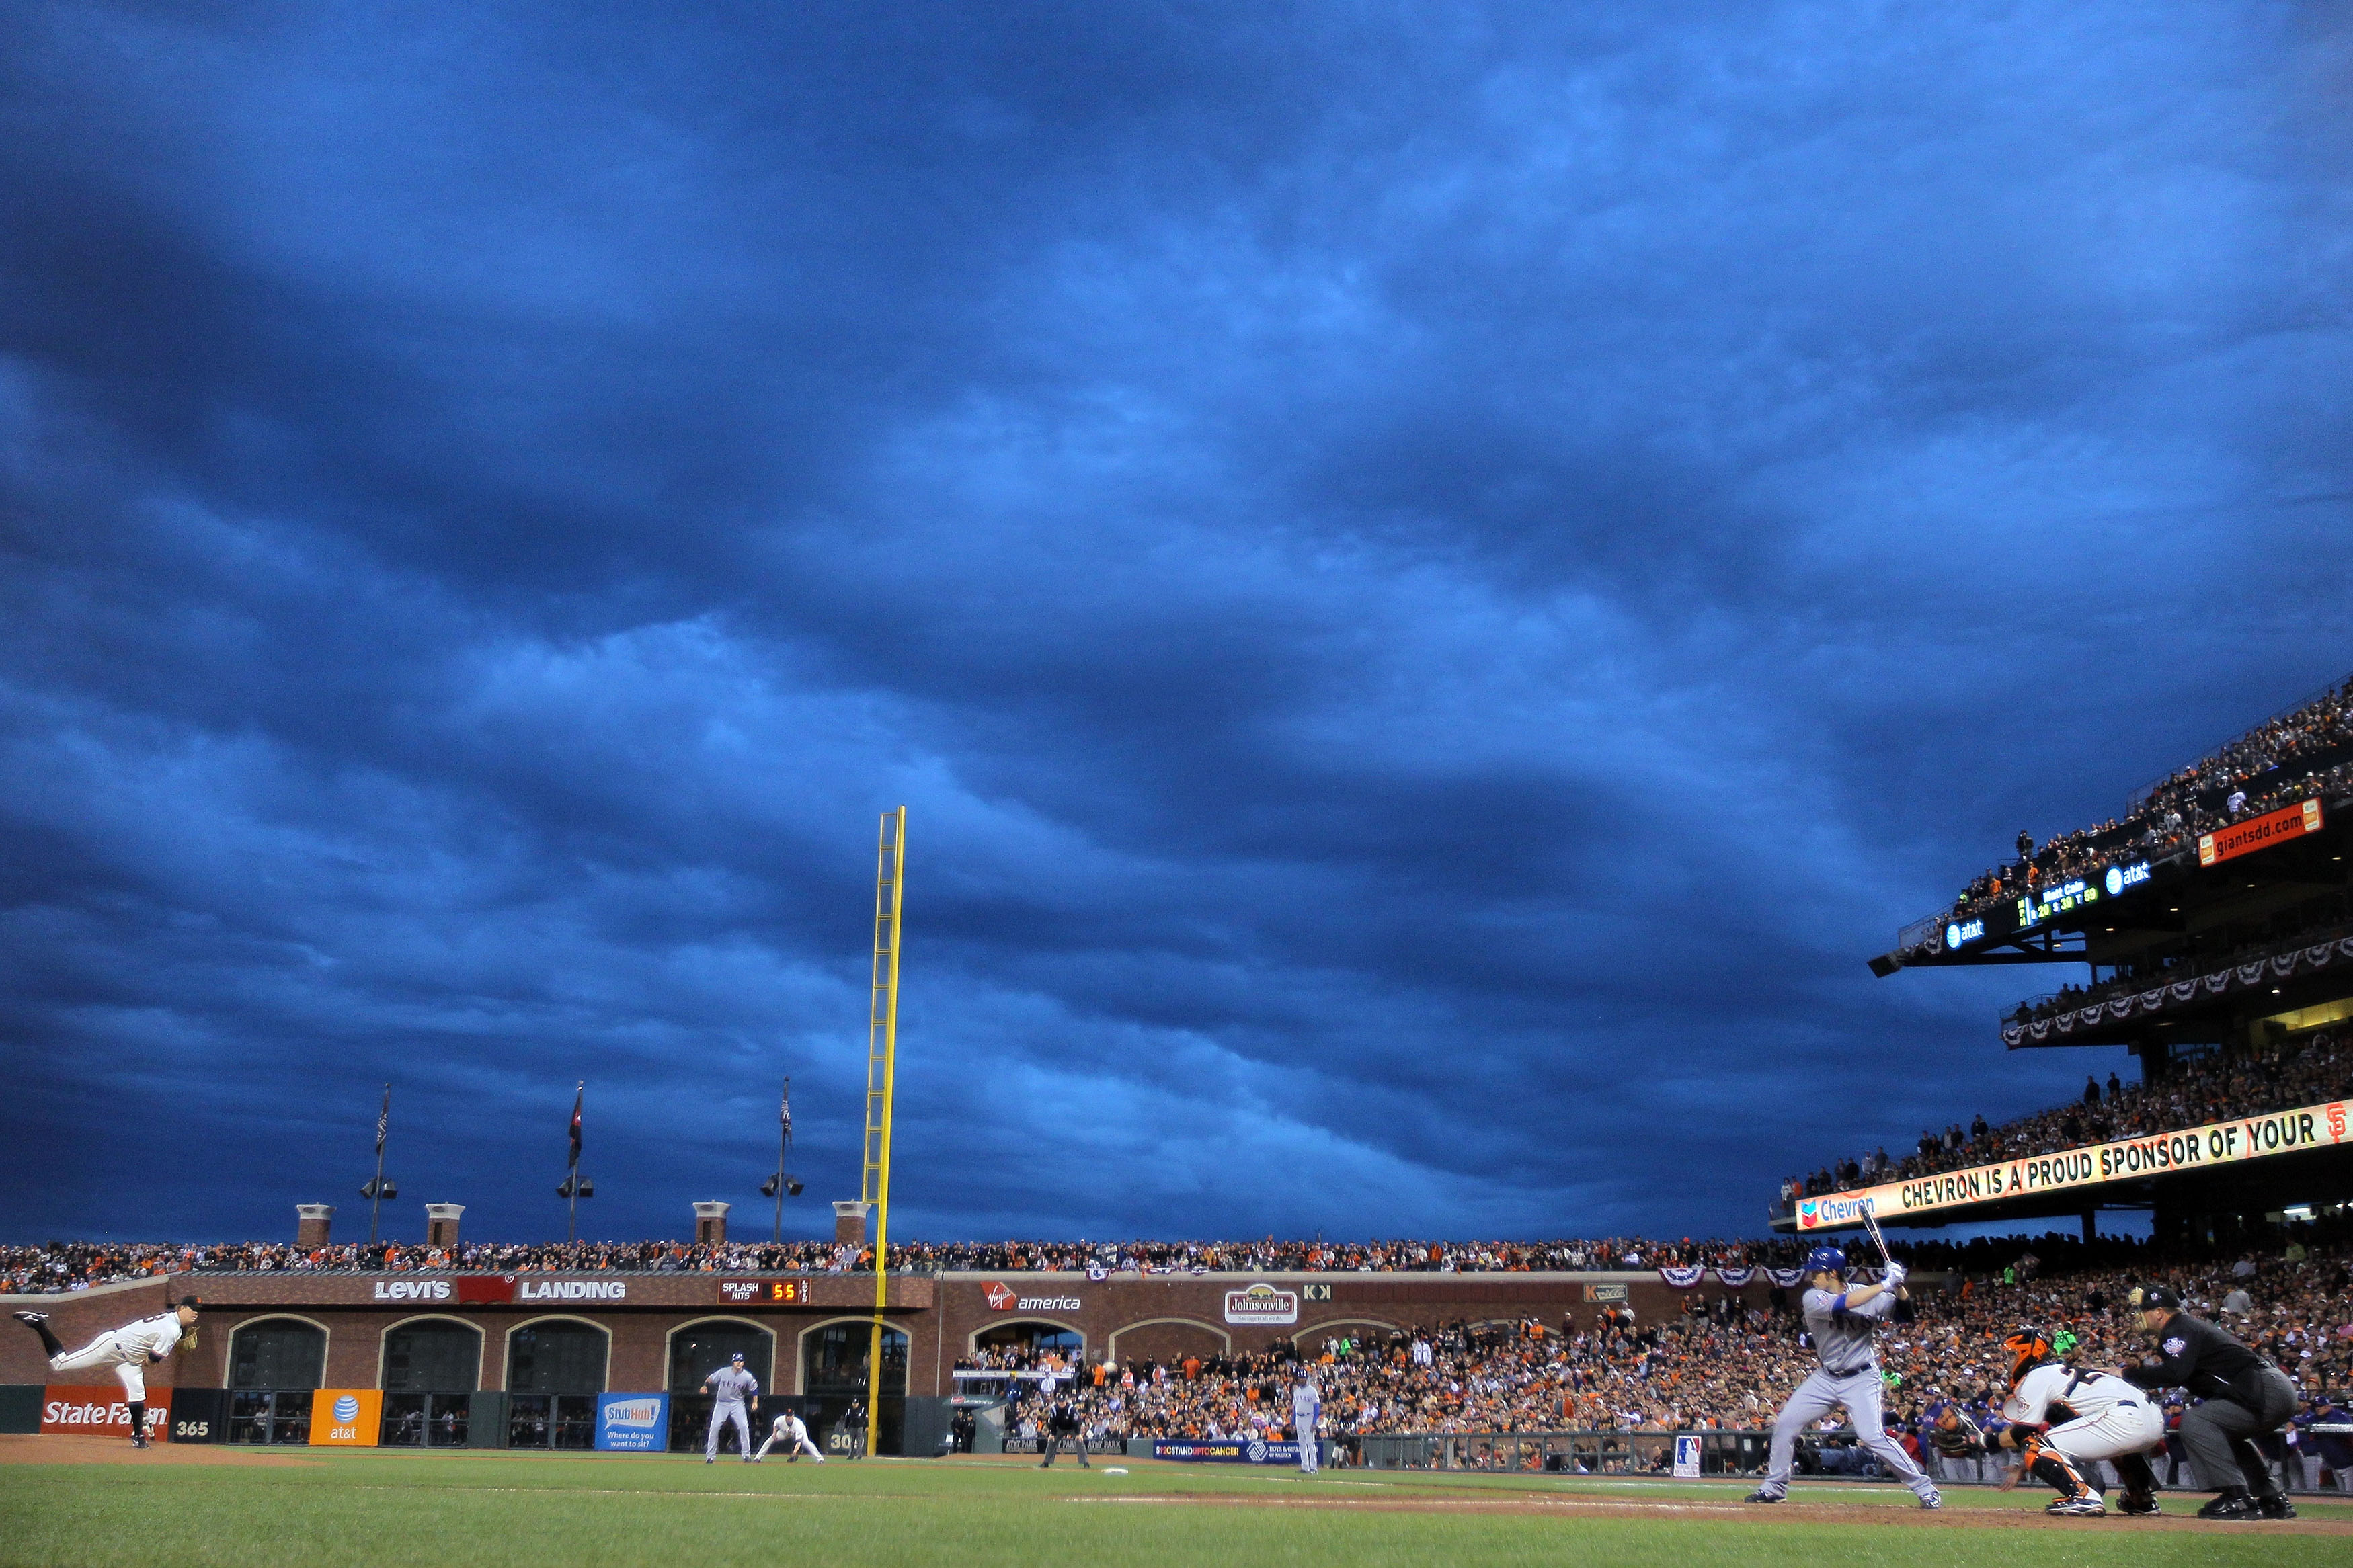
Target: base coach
(2243, 1393)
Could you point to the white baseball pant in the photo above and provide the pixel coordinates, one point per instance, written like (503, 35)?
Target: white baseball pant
(782, 1428)
(130, 1366)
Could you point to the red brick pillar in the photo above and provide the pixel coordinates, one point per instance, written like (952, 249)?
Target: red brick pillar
(315, 1220)
(711, 1225)
(441, 1225)
(850, 1222)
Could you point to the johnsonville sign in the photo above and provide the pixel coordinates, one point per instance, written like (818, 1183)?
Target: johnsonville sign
(1262, 1306)
(2326, 1125)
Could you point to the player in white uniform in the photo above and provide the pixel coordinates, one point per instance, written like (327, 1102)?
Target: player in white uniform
(788, 1430)
(1306, 1404)
(2062, 1418)
(129, 1350)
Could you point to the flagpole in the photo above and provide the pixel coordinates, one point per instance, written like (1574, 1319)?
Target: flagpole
(784, 1143)
(572, 1207)
(375, 1198)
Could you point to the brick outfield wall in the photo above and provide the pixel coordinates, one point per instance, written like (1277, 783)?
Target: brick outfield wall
(1155, 1317)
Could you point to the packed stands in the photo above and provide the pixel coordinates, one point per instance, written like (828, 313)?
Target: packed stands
(2301, 1070)
(2284, 759)
(71, 1266)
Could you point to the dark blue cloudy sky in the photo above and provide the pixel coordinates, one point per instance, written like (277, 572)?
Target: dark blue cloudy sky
(1434, 580)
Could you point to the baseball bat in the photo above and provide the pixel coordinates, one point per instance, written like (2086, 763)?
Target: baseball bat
(1870, 1219)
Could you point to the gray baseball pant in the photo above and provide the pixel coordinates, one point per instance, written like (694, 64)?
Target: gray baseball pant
(2217, 1432)
(731, 1410)
(1816, 1397)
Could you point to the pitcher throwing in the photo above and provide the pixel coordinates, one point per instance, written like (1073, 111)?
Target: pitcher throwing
(129, 1350)
(1843, 1321)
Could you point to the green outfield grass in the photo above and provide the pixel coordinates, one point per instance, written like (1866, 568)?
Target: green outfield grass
(364, 1509)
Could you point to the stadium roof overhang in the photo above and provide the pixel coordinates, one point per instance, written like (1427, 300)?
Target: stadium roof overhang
(2127, 903)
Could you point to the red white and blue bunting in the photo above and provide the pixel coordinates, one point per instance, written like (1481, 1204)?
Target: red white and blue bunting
(2116, 1009)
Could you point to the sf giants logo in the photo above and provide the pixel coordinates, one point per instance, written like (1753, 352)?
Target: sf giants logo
(2336, 1123)
(999, 1296)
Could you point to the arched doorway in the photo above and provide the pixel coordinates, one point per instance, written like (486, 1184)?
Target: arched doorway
(555, 1370)
(833, 1378)
(431, 1368)
(274, 1364)
(698, 1350)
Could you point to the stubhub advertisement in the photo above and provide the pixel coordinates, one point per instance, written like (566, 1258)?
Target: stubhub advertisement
(633, 1423)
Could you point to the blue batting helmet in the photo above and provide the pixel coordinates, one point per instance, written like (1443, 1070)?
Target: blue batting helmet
(1826, 1261)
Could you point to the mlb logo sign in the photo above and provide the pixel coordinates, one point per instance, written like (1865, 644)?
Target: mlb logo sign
(999, 1296)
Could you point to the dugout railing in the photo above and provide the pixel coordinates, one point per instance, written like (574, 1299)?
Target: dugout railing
(1820, 1457)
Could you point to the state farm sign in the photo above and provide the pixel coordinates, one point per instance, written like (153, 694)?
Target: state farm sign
(102, 1412)
(1004, 1298)
(1262, 1306)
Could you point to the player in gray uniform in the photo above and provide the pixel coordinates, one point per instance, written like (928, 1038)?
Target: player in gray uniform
(1841, 1321)
(730, 1385)
(1306, 1404)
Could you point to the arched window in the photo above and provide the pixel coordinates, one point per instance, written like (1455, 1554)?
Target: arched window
(701, 1349)
(433, 1355)
(835, 1361)
(1039, 1338)
(277, 1353)
(557, 1355)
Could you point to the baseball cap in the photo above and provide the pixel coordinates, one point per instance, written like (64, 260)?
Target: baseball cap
(2156, 1298)
(737, 1356)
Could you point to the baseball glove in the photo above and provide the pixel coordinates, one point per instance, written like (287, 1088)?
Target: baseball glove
(1956, 1435)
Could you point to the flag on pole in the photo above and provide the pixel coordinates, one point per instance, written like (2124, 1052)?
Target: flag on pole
(578, 1094)
(383, 1118)
(784, 1108)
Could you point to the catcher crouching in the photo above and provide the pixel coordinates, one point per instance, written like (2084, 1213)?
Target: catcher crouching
(2061, 1419)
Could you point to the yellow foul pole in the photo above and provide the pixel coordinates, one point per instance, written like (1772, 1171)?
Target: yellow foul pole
(882, 1071)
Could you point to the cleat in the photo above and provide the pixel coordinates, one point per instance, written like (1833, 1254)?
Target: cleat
(2078, 1508)
(29, 1319)
(2274, 1507)
(2139, 1507)
(1761, 1495)
(2229, 1505)
(1933, 1500)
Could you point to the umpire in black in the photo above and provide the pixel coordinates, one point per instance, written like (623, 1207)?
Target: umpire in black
(2243, 1393)
(1060, 1427)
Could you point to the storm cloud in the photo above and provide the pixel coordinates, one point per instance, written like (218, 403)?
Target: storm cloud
(1433, 584)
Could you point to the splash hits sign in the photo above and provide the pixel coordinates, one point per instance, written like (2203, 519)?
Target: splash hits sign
(2323, 1126)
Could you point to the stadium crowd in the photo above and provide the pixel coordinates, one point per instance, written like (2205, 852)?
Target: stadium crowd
(2303, 1069)
(2278, 763)
(75, 1266)
(1719, 1363)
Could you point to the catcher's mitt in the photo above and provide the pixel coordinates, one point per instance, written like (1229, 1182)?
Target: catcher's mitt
(1956, 1435)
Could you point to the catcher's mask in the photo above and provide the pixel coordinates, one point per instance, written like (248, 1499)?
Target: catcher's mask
(2028, 1349)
